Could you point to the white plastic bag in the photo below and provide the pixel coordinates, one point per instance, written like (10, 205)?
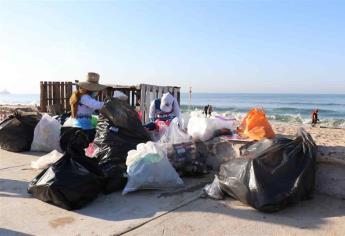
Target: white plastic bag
(45, 161)
(149, 168)
(46, 135)
(174, 134)
(201, 128)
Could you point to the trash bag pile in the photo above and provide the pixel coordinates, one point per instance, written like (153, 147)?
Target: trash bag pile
(269, 175)
(149, 168)
(71, 182)
(46, 135)
(17, 131)
(118, 131)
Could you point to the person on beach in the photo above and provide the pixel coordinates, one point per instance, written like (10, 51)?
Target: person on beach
(209, 110)
(314, 117)
(206, 110)
(83, 104)
(163, 109)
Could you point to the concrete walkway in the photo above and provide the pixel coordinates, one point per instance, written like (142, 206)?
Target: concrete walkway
(153, 213)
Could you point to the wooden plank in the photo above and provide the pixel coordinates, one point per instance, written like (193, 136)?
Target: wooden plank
(133, 103)
(147, 102)
(69, 89)
(160, 91)
(43, 96)
(179, 97)
(57, 103)
(175, 93)
(62, 100)
(165, 89)
(60, 97)
(142, 103)
(155, 92)
(53, 106)
(52, 93)
(66, 97)
(63, 96)
(48, 94)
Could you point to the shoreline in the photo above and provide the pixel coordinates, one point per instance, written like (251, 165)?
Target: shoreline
(7, 109)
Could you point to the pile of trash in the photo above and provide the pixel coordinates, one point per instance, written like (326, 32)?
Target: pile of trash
(71, 182)
(30, 131)
(270, 174)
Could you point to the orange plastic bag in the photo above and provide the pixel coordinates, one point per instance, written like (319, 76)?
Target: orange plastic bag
(256, 126)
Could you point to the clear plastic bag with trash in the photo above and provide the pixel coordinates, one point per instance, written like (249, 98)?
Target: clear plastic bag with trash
(202, 128)
(46, 135)
(174, 133)
(149, 168)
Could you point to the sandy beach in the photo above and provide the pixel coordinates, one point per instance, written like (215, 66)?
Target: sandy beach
(322, 136)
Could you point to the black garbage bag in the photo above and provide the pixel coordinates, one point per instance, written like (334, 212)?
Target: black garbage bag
(71, 182)
(118, 131)
(67, 133)
(271, 178)
(17, 131)
(189, 159)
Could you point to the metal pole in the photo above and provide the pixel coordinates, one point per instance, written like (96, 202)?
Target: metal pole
(190, 97)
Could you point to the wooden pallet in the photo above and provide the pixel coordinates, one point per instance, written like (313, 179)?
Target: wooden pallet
(55, 95)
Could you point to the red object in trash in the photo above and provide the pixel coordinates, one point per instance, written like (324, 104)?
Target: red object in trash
(140, 115)
(162, 123)
(91, 150)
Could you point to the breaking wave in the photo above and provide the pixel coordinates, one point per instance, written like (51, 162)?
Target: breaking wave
(278, 115)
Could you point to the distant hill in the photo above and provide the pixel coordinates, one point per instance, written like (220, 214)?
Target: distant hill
(5, 91)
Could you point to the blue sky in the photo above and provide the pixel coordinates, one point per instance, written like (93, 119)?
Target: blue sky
(213, 46)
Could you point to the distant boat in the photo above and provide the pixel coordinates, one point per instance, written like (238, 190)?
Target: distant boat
(5, 91)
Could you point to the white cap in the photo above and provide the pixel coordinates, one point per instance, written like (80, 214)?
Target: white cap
(167, 102)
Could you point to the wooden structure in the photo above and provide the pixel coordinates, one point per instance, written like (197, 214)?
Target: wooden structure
(55, 96)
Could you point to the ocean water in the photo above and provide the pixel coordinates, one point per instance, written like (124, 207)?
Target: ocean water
(290, 108)
(13, 99)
